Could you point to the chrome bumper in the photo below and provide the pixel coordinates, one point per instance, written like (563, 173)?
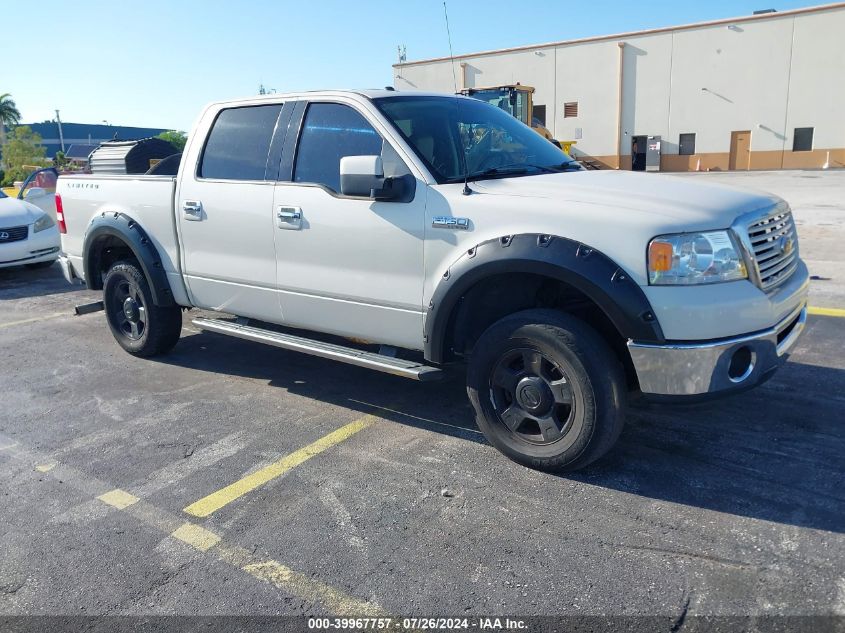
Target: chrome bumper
(721, 366)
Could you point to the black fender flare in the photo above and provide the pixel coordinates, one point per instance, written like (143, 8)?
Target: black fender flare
(121, 226)
(581, 266)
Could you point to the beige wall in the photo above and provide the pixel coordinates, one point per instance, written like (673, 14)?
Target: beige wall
(768, 75)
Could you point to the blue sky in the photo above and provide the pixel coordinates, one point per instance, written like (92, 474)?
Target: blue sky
(155, 63)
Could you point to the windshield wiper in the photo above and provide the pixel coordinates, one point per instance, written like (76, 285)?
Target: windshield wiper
(570, 165)
(517, 169)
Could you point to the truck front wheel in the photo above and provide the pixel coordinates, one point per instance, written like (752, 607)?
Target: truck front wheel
(547, 390)
(138, 325)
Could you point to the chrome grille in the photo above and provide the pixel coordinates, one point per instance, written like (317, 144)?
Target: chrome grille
(774, 243)
(13, 234)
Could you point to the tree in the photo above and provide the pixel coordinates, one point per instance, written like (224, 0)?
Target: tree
(175, 138)
(9, 115)
(61, 161)
(21, 152)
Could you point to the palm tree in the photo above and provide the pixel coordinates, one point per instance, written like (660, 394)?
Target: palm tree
(9, 114)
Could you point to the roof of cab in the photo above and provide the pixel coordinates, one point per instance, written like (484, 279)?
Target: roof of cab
(312, 94)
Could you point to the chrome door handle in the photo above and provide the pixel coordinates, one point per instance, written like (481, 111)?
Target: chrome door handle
(289, 218)
(192, 210)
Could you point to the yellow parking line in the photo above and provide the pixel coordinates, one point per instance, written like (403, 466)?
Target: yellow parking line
(831, 312)
(196, 536)
(118, 498)
(216, 500)
(295, 583)
(286, 579)
(43, 317)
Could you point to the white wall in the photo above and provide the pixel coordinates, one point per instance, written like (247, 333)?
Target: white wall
(767, 75)
(587, 73)
(817, 81)
(744, 69)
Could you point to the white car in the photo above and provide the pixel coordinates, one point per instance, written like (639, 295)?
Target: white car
(28, 235)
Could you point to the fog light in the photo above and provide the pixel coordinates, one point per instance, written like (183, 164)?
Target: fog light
(742, 364)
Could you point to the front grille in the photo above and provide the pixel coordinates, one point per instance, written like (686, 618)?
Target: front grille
(775, 247)
(13, 234)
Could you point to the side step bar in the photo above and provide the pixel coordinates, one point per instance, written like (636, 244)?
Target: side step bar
(370, 360)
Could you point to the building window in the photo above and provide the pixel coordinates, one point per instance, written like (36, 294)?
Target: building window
(570, 110)
(686, 144)
(802, 139)
(539, 115)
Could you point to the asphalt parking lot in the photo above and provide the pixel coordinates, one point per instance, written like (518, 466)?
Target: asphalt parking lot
(234, 478)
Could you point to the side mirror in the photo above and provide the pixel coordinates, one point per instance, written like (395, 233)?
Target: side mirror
(363, 177)
(34, 192)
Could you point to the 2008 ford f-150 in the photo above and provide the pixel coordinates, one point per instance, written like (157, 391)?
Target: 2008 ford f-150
(441, 230)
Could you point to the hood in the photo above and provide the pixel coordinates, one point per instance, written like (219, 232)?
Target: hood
(14, 212)
(682, 201)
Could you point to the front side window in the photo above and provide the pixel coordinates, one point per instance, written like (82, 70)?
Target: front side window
(446, 132)
(331, 131)
(238, 144)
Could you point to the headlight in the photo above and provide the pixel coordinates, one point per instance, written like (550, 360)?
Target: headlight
(694, 258)
(42, 223)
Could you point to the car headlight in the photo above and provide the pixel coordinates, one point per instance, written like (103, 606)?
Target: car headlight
(695, 258)
(43, 223)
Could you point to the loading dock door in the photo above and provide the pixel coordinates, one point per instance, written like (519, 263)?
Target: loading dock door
(652, 156)
(740, 156)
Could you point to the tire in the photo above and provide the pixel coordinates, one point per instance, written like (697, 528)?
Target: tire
(39, 265)
(138, 325)
(547, 390)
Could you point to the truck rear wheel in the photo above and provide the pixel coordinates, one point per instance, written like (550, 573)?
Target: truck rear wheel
(547, 390)
(138, 325)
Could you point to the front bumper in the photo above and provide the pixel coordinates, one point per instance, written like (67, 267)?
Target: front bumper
(38, 247)
(715, 367)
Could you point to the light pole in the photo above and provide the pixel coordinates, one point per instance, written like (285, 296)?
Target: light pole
(61, 136)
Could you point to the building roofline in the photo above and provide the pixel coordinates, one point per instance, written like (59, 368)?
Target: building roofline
(664, 29)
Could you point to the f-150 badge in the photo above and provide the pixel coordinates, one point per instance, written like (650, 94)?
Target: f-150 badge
(446, 222)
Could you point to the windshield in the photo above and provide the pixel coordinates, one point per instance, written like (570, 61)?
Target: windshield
(441, 129)
(3, 195)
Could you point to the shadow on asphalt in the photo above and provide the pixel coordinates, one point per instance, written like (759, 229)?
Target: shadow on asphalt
(774, 453)
(19, 282)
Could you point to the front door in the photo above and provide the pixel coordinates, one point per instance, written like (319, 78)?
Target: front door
(225, 210)
(348, 266)
(740, 156)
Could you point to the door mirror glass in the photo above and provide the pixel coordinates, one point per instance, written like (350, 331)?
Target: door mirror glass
(363, 176)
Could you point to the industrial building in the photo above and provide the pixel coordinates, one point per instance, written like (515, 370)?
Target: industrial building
(763, 91)
(78, 140)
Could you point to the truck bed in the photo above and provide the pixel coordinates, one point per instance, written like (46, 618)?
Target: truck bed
(148, 199)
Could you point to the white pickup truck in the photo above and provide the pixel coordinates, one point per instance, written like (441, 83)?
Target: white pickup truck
(405, 231)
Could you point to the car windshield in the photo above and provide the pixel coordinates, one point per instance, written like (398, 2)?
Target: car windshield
(494, 144)
(3, 195)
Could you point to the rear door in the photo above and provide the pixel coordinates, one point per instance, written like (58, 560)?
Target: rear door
(224, 208)
(348, 266)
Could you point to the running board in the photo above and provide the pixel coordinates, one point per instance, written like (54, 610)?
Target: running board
(361, 358)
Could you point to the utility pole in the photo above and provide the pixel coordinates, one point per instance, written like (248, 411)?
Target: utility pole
(61, 136)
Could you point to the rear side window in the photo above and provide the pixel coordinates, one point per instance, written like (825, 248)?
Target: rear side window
(238, 144)
(330, 132)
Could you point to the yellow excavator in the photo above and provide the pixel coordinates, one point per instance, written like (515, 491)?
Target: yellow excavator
(517, 100)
